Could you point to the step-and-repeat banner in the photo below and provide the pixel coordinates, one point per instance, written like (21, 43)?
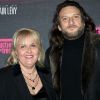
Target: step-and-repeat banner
(15, 14)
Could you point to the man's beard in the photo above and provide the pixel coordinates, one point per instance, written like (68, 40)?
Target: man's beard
(79, 32)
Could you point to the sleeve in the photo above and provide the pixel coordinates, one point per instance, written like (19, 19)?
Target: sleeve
(49, 87)
(2, 86)
(47, 60)
(93, 90)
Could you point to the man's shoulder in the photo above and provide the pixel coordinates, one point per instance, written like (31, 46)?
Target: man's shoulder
(96, 38)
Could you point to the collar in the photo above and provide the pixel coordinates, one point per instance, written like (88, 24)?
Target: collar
(17, 70)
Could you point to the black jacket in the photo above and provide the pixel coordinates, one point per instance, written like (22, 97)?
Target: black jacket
(13, 86)
(93, 91)
(54, 61)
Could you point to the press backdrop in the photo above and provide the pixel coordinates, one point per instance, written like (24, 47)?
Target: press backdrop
(38, 14)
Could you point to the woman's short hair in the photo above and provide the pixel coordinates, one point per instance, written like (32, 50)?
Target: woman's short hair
(23, 33)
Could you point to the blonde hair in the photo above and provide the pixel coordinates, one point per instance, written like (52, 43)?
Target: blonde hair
(24, 32)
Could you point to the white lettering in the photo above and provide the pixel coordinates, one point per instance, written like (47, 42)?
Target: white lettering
(8, 9)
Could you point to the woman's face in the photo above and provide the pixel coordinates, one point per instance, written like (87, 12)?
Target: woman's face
(27, 52)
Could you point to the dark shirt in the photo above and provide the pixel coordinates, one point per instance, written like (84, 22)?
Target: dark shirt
(42, 95)
(71, 69)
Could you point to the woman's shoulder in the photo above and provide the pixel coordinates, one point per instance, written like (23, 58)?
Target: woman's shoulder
(45, 70)
(4, 71)
(45, 74)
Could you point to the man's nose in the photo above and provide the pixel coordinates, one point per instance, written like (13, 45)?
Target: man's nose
(71, 21)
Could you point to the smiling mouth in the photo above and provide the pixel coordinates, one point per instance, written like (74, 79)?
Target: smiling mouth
(28, 56)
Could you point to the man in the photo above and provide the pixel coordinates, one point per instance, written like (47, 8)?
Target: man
(71, 55)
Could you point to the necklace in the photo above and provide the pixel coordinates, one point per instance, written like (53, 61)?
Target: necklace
(32, 80)
(32, 84)
(30, 76)
(32, 71)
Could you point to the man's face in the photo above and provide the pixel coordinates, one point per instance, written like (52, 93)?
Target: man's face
(71, 23)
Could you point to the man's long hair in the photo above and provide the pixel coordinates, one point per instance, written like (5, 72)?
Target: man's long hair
(56, 38)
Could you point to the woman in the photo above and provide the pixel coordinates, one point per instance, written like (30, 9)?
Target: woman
(26, 78)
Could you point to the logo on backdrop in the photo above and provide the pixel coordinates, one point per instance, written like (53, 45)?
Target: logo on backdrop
(5, 46)
(98, 29)
(8, 9)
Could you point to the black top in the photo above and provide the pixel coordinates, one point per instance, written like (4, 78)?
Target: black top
(42, 95)
(13, 85)
(71, 69)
